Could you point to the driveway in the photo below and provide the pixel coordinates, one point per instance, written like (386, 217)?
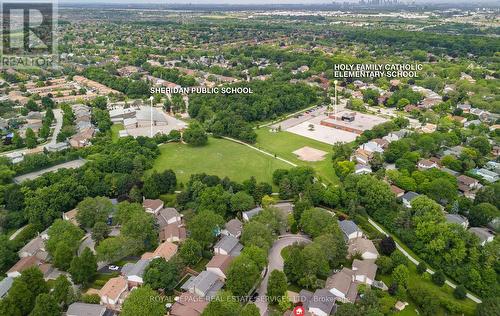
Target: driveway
(276, 263)
(58, 116)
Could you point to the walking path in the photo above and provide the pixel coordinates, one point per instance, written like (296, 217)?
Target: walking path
(416, 262)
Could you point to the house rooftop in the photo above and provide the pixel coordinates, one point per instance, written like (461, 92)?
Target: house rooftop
(206, 282)
(5, 286)
(365, 267)
(409, 196)
(137, 268)
(113, 288)
(455, 219)
(84, 309)
(253, 212)
(24, 263)
(221, 262)
(361, 245)
(234, 227)
(229, 244)
(152, 204)
(188, 304)
(348, 227)
(165, 250)
(165, 215)
(483, 233)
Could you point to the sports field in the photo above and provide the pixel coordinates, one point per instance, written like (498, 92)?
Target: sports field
(219, 157)
(284, 144)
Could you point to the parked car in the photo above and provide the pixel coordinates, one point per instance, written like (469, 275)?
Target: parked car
(113, 268)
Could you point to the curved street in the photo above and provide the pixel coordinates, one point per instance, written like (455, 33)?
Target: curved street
(275, 262)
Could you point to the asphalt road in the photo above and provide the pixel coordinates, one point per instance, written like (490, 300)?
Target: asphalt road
(276, 263)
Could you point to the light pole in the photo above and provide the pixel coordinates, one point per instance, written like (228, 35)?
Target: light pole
(336, 109)
(151, 117)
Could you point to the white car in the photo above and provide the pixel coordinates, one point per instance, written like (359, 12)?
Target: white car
(114, 268)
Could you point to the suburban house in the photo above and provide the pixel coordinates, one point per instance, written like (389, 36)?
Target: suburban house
(219, 265)
(362, 156)
(457, 219)
(455, 151)
(342, 286)
(486, 174)
(364, 247)
(133, 272)
(426, 164)
(233, 228)
(373, 147)
(167, 216)
(364, 271)
(362, 169)
(228, 245)
(319, 303)
(71, 216)
(84, 309)
(82, 139)
(36, 248)
(408, 197)
(398, 192)
(350, 230)
(152, 206)
(188, 304)
(23, 264)
(206, 284)
(467, 184)
(485, 235)
(114, 292)
(5, 286)
(174, 232)
(249, 214)
(165, 250)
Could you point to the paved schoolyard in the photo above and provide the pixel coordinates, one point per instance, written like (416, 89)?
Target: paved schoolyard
(322, 133)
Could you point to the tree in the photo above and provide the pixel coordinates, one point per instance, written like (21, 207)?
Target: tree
(421, 267)
(63, 255)
(316, 222)
(258, 255)
(460, 292)
(204, 227)
(93, 210)
(482, 214)
(481, 144)
(161, 274)
(250, 310)
(344, 168)
(159, 183)
(141, 302)
(46, 305)
(195, 135)
(277, 286)
(225, 304)
(65, 232)
(33, 278)
(8, 255)
(84, 267)
(100, 231)
(385, 264)
(141, 229)
(401, 275)
(190, 252)
(387, 245)
(438, 278)
(242, 275)
(30, 138)
(214, 199)
(398, 258)
(114, 248)
(257, 234)
(489, 307)
(63, 291)
(21, 297)
(241, 201)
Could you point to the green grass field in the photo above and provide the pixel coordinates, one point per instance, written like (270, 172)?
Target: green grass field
(284, 144)
(219, 157)
(115, 128)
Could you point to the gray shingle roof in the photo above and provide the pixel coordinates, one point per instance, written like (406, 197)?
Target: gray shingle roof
(323, 300)
(5, 285)
(408, 196)
(229, 244)
(135, 268)
(455, 219)
(253, 212)
(348, 227)
(206, 282)
(84, 309)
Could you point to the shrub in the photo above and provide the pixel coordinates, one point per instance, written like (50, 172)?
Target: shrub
(438, 278)
(460, 292)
